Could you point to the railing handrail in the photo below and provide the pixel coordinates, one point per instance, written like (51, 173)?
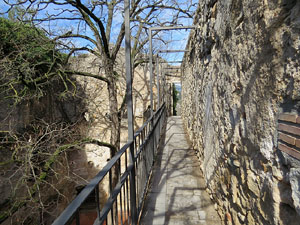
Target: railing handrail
(148, 121)
(75, 205)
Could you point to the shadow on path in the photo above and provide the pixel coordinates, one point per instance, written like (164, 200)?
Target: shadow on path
(177, 189)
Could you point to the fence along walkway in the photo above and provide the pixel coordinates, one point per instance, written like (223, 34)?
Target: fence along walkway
(177, 194)
(125, 200)
(177, 190)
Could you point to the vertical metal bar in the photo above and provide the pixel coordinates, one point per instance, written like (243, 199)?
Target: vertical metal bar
(121, 206)
(135, 146)
(119, 167)
(117, 213)
(124, 194)
(98, 201)
(138, 172)
(157, 77)
(139, 137)
(151, 70)
(110, 181)
(77, 218)
(127, 199)
(130, 109)
(164, 84)
(111, 189)
(126, 163)
(152, 135)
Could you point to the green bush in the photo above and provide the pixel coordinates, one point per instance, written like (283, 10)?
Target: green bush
(28, 59)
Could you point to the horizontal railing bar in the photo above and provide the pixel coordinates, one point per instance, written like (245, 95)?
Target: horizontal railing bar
(146, 123)
(147, 138)
(142, 127)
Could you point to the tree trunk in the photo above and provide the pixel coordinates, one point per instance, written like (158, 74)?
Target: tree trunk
(115, 120)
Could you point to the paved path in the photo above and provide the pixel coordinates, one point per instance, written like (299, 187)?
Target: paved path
(177, 190)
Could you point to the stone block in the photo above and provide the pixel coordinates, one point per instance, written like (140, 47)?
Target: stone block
(241, 217)
(235, 218)
(228, 217)
(251, 183)
(250, 219)
(234, 183)
(236, 163)
(245, 202)
(261, 211)
(214, 11)
(278, 174)
(243, 176)
(224, 189)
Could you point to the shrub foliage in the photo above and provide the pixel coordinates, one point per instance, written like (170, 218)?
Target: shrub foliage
(28, 60)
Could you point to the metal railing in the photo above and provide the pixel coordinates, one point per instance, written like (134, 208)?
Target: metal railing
(118, 207)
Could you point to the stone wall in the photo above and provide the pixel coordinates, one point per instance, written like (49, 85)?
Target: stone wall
(96, 99)
(240, 75)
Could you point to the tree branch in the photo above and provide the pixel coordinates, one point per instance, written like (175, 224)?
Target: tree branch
(70, 35)
(99, 143)
(105, 43)
(85, 74)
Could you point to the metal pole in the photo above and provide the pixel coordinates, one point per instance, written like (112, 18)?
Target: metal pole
(147, 60)
(172, 51)
(163, 84)
(128, 72)
(157, 77)
(173, 68)
(151, 70)
(173, 28)
(172, 62)
(130, 110)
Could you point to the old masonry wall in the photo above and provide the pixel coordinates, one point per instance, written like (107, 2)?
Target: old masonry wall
(239, 78)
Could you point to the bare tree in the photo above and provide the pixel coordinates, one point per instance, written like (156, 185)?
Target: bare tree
(98, 28)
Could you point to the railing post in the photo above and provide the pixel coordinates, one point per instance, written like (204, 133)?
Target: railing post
(158, 87)
(130, 111)
(151, 70)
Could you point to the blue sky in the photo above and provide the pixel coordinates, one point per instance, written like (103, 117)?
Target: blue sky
(178, 40)
(174, 39)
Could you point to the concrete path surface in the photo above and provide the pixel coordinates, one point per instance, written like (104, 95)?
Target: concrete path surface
(177, 193)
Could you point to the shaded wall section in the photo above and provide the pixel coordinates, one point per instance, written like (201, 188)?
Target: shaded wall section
(240, 75)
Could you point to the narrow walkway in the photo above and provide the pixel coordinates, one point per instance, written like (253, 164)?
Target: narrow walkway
(177, 190)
